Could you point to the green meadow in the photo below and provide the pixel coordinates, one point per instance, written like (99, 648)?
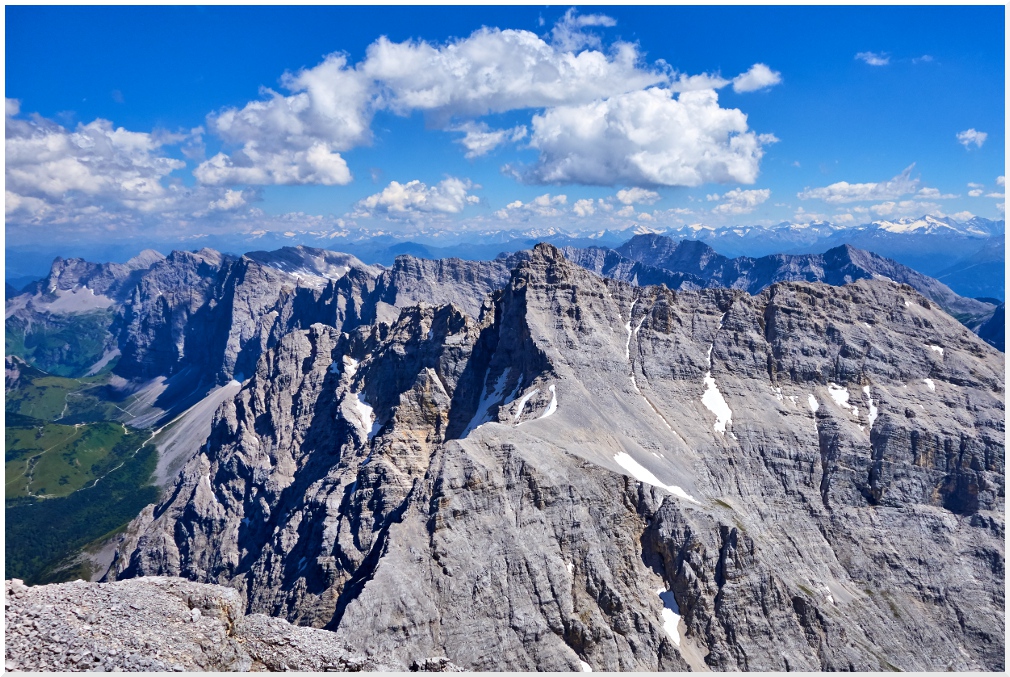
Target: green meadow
(73, 475)
(56, 460)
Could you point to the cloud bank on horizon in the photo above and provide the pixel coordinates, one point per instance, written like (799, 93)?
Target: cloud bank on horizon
(618, 138)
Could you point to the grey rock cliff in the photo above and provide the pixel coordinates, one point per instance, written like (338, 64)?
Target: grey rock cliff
(624, 477)
(216, 314)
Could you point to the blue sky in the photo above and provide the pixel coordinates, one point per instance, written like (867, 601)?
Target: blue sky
(175, 121)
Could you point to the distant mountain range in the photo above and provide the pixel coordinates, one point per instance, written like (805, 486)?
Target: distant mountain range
(928, 244)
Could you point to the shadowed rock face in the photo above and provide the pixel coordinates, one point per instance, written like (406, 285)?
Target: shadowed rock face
(813, 478)
(217, 314)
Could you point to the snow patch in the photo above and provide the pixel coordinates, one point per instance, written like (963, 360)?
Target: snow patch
(522, 403)
(929, 382)
(907, 304)
(814, 404)
(585, 666)
(627, 328)
(366, 416)
(553, 406)
(716, 403)
(487, 401)
(642, 474)
(671, 615)
(350, 365)
(840, 395)
(937, 349)
(873, 407)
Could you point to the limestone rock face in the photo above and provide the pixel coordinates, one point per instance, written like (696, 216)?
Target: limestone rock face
(441, 282)
(587, 473)
(154, 324)
(113, 280)
(213, 314)
(160, 624)
(690, 264)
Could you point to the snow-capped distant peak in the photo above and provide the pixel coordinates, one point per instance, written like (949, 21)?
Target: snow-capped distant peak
(922, 225)
(646, 230)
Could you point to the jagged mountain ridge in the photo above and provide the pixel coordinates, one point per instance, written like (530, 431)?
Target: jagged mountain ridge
(228, 309)
(691, 264)
(395, 482)
(193, 321)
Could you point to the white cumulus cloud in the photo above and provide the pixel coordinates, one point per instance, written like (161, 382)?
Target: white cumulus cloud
(569, 34)
(646, 138)
(692, 83)
(971, 136)
(481, 139)
(295, 139)
(637, 195)
(298, 137)
(232, 199)
(900, 208)
(544, 205)
(738, 201)
(758, 77)
(934, 194)
(843, 191)
(494, 71)
(399, 200)
(626, 211)
(584, 208)
(874, 59)
(48, 165)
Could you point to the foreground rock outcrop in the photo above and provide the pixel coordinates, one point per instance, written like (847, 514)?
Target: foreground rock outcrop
(159, 624)
(597, 475)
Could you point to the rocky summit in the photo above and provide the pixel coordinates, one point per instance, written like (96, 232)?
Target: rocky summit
(161, 624)
(592, 475)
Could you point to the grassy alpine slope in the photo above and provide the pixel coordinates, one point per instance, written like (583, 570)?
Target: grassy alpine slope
(72, 475)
